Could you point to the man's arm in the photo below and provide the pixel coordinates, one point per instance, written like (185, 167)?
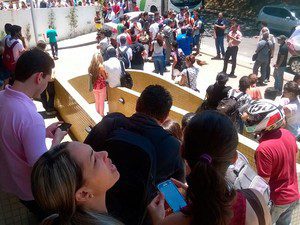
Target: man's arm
(263, 163)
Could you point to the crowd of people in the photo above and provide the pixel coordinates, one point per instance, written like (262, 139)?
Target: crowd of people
(112, 177)
(19, 5)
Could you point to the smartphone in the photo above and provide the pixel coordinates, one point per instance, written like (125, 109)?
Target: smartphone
(173, 197)
(65, 126)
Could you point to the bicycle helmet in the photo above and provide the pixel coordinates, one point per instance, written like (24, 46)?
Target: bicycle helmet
(264, 115)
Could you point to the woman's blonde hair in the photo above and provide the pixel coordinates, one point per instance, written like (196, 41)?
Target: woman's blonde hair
(93, 70)
(55, 178)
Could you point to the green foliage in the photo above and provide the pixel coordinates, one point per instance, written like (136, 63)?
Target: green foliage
(51, 18)
(73, 20)
(244, 8)
(2, 34)
(28, 33)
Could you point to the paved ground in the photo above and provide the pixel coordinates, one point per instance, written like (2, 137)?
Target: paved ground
(74, 61)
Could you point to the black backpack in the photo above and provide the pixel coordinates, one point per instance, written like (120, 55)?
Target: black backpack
(124, 57)
(229, 106)
(135, 159)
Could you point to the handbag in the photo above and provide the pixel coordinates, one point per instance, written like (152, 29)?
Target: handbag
(126, 79)
(255, 204)
(188, 80)
(255, 55)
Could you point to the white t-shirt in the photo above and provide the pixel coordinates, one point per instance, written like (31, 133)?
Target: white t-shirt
(18, 49)
(110, 16)
(113, 68)
(128, 52)
(154, 30)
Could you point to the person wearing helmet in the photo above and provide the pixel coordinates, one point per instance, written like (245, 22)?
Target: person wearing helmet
(275, 157)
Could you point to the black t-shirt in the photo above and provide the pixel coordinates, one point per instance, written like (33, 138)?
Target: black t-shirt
(137, 49)
(283, 50)
(220, 32)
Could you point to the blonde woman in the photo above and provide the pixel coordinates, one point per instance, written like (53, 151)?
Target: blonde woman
(98, 77)
(71, 181)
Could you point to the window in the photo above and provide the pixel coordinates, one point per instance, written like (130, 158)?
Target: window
(296, 13)
(283, 13)
(268, 10)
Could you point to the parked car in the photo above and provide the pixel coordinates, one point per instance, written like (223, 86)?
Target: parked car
(133, 16)
(283, 18)
(293, 44)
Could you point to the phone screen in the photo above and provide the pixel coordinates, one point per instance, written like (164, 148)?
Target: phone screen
(65, 126)
(172, 195)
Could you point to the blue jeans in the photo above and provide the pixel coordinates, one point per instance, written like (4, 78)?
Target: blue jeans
(282, 214)
(159, 64)
(278, 75)
(263, 69)
(220, 45)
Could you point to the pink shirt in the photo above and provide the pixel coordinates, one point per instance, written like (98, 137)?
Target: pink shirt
(237, 35)
(22, 142)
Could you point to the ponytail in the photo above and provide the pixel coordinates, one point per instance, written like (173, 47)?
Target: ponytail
(209, 195)
(209, 147)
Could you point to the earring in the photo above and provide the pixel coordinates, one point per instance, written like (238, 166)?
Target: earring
(91, 196)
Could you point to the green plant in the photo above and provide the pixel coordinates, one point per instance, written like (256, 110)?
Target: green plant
(27, 32)
(2, 34)
(51, 18)
(73, 20)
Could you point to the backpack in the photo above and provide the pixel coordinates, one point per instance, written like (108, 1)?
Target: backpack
(128, 199)
(180, 65)
(124, 57)
(229, 106)
(126, 79)
(8, 57)
(242, 176)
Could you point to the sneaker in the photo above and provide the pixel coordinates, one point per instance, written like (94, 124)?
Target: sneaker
(232, 75)
(216, 57)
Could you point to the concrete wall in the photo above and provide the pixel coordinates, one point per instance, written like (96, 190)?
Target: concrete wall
(85, 21)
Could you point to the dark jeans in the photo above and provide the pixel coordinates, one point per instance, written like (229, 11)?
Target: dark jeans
(220, 45)
(268, 71)
(137, 67)
(54, 49)
(34, 208)
(159, 64)
(231, 51)
(48, 101)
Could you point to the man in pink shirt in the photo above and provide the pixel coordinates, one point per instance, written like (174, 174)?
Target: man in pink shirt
(234, 38)
(22, 130)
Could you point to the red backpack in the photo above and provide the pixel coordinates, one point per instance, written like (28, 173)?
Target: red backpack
(8, 57)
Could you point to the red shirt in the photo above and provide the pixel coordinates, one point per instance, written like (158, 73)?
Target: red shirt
(136, 8)
(275, 158)
(116, 9)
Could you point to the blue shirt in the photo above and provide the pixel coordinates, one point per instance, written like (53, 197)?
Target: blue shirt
(184, 42)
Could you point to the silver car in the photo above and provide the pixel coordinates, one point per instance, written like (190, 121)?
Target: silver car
(283, 18)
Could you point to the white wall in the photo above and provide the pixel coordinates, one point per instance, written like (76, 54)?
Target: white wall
(23, 18)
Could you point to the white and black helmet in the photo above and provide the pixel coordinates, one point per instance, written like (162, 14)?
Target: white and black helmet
(264, 115)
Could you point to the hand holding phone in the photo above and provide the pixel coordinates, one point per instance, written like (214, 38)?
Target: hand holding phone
(65, 126)
(173, 197)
